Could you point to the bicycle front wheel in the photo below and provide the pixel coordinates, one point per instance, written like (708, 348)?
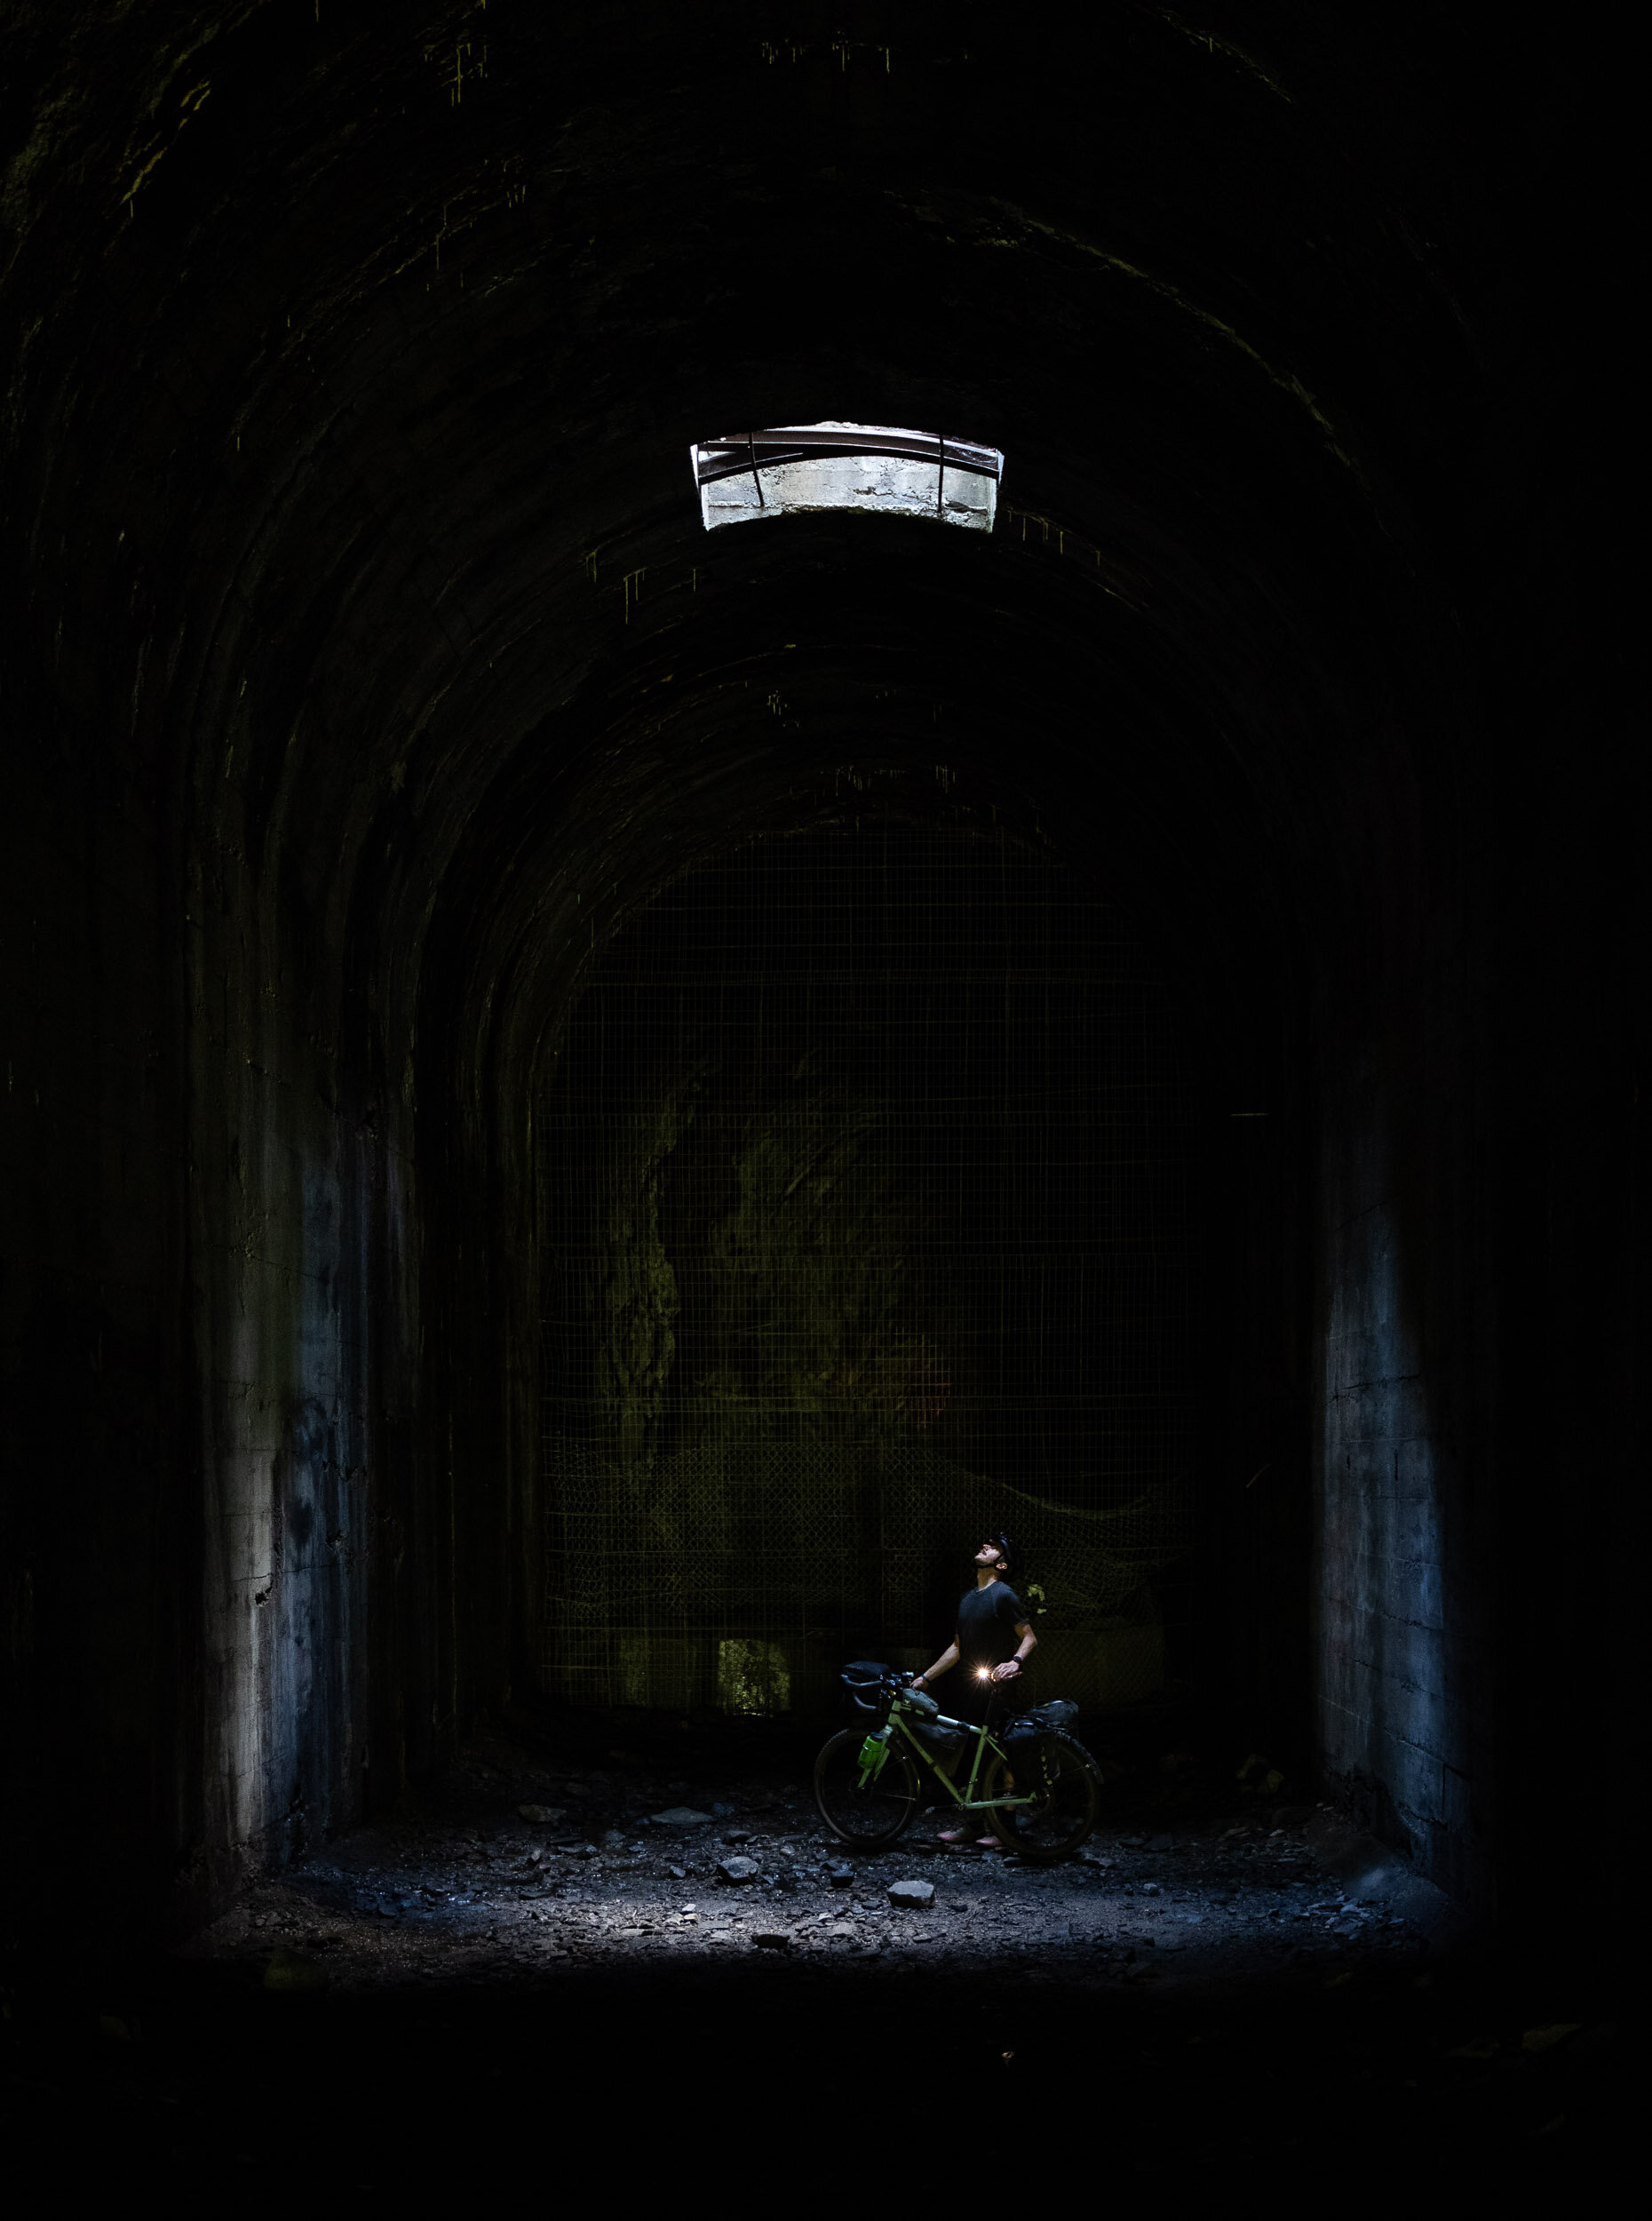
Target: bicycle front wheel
(1066, 1792)
(864, 1815)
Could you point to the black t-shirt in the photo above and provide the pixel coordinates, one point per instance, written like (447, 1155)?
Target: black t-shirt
(988, 1619)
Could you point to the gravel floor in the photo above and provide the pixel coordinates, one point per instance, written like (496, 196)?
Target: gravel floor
(1222, 1987)
(512, 1859)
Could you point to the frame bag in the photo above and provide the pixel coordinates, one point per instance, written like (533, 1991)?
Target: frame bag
(945, 1745)
(942, 1743)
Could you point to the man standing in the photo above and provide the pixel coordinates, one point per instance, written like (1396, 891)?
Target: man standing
(993, 1643)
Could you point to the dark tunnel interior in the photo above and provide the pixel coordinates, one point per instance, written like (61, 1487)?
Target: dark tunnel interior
(866, 1224)
(588, 1097)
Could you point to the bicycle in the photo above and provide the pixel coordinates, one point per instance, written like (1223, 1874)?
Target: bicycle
(866, 1782)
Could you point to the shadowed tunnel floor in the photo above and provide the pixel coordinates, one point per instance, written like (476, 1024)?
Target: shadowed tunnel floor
(1221, 1986)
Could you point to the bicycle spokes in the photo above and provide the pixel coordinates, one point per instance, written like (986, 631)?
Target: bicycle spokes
(864, 1805)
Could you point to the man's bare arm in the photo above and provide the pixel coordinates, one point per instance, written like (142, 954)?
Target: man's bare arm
(1012, 1666)
(944, 1664)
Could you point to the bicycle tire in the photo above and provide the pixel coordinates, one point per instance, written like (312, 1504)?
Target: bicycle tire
(1058, 1821)
(865, 1819)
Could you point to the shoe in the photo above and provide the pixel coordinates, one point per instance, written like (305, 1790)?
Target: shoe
(954, 1836)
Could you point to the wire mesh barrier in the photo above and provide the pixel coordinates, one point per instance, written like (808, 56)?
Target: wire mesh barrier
(865, 1232)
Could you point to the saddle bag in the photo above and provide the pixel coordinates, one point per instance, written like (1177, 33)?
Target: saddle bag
(1058, 1717)
(1029, 1743)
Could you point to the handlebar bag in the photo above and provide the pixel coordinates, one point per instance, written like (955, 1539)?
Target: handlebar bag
(864, 1679)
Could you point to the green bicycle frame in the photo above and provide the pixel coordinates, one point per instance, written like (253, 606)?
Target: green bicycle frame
(876, 1749)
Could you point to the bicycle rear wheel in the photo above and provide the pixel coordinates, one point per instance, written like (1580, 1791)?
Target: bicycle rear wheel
(868, 1816)
(1067, 1802)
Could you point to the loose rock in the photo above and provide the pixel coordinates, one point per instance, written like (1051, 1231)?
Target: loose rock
(541, 1815)
(772, 1939)
(681, 1816)
(737, 1869)
(911, 1893)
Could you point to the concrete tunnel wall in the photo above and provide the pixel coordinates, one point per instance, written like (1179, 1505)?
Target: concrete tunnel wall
(367, 664)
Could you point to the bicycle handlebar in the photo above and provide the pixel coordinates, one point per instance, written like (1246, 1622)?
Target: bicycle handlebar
(866, 1692)
(870, 1694)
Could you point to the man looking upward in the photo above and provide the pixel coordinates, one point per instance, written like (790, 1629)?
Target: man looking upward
(994, 1641)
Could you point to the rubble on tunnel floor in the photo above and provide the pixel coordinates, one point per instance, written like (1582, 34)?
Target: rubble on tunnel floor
(529, 1856)
(1236, 1976)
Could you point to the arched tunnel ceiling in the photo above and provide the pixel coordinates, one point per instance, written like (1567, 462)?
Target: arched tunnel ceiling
(361, 352)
